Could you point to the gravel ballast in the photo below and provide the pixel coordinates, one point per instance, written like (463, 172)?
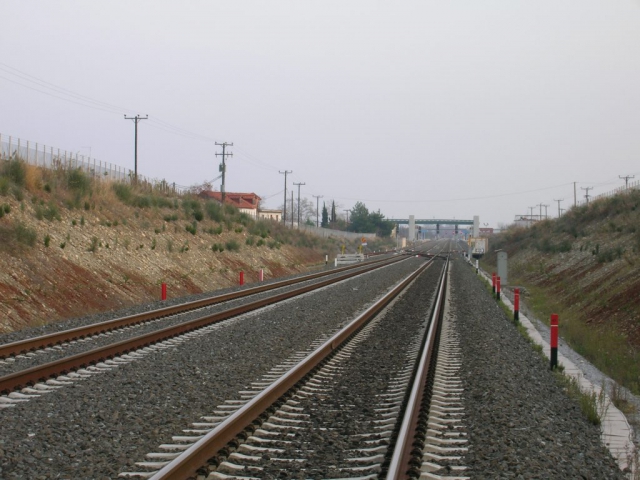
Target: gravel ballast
(100, 426)
(520, 422)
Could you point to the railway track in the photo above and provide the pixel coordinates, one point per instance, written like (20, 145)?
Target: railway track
(31, 345)
(375, 406)
(307, 415)
(106, 356)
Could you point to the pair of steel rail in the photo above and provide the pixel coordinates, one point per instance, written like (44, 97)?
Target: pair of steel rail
(49, 370)
(187, 464)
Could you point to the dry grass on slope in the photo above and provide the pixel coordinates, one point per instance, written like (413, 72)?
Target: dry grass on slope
(586, 267)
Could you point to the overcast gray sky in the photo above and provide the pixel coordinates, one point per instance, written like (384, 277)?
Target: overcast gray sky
(442, 109)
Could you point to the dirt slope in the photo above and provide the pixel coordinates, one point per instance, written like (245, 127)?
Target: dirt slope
(112, 256)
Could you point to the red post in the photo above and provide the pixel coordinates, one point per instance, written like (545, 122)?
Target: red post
(493, 283)
(516, 304)
(164, 291)
(261, 276)
(241, 278)
(554, 341)
(497, 288)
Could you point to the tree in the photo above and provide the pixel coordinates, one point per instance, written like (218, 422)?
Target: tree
(359, 218)
(333, 211)
(325, 216)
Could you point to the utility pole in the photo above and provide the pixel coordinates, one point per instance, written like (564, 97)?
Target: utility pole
(347, 210)
(223, 166)
(284, 214)
(317, 197)
(558, 200)
(291, 208)
(586, 195)
(136, 120)
(545, 211)
(298, 184)
(575, 198)
(531, 212)
(626, 180)
(540, 205)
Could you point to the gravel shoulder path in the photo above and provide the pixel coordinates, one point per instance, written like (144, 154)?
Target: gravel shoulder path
(521, 424)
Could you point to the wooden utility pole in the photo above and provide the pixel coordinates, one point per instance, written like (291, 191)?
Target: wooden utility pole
(136, 120)
(317, 197)
(284, 207)
(298, 184)
(223, 166)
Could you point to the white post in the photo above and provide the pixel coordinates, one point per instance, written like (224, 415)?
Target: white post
(326, 259)
(261, 275)
(335, 262)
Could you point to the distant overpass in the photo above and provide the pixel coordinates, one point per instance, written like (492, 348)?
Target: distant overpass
(433, 221)
(412, 221)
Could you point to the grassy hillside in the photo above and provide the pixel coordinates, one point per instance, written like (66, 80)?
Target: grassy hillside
(71, 245)
(585, 266)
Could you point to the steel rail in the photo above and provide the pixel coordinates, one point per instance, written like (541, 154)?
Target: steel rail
(196, 456)
(57, 338)
(45, 371)
(400, 460)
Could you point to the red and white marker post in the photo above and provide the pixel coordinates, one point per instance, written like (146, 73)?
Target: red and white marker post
(261, 275)
(516, 304)
(498, 288)
(493, 283)
(553, 357)
(241, 278)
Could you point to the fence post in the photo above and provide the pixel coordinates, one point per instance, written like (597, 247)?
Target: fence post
(498, 288)
(241, 278)
(516, 304)
(164, 291)
(493, 282)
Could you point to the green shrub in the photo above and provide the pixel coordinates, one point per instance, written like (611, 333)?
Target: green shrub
(185, 247)
(74, 222)
(25, 235)
(153, 244)
(170, 218)
(50, 212)
(232, 246)
(63, 244)
(17, 193)
(87, 205)
(4, 186)
(82, 221)
(217, 247)
(274, 244)
(169, 246)
(260, 243)
(78, 181)
(94, 245)
(192, 229)
(214, 211)
(47, 240)
(7, 208)
(47, 188)
(123, 192)
(250, 241)
(198, 215)
(238, 230)
(16, 171)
